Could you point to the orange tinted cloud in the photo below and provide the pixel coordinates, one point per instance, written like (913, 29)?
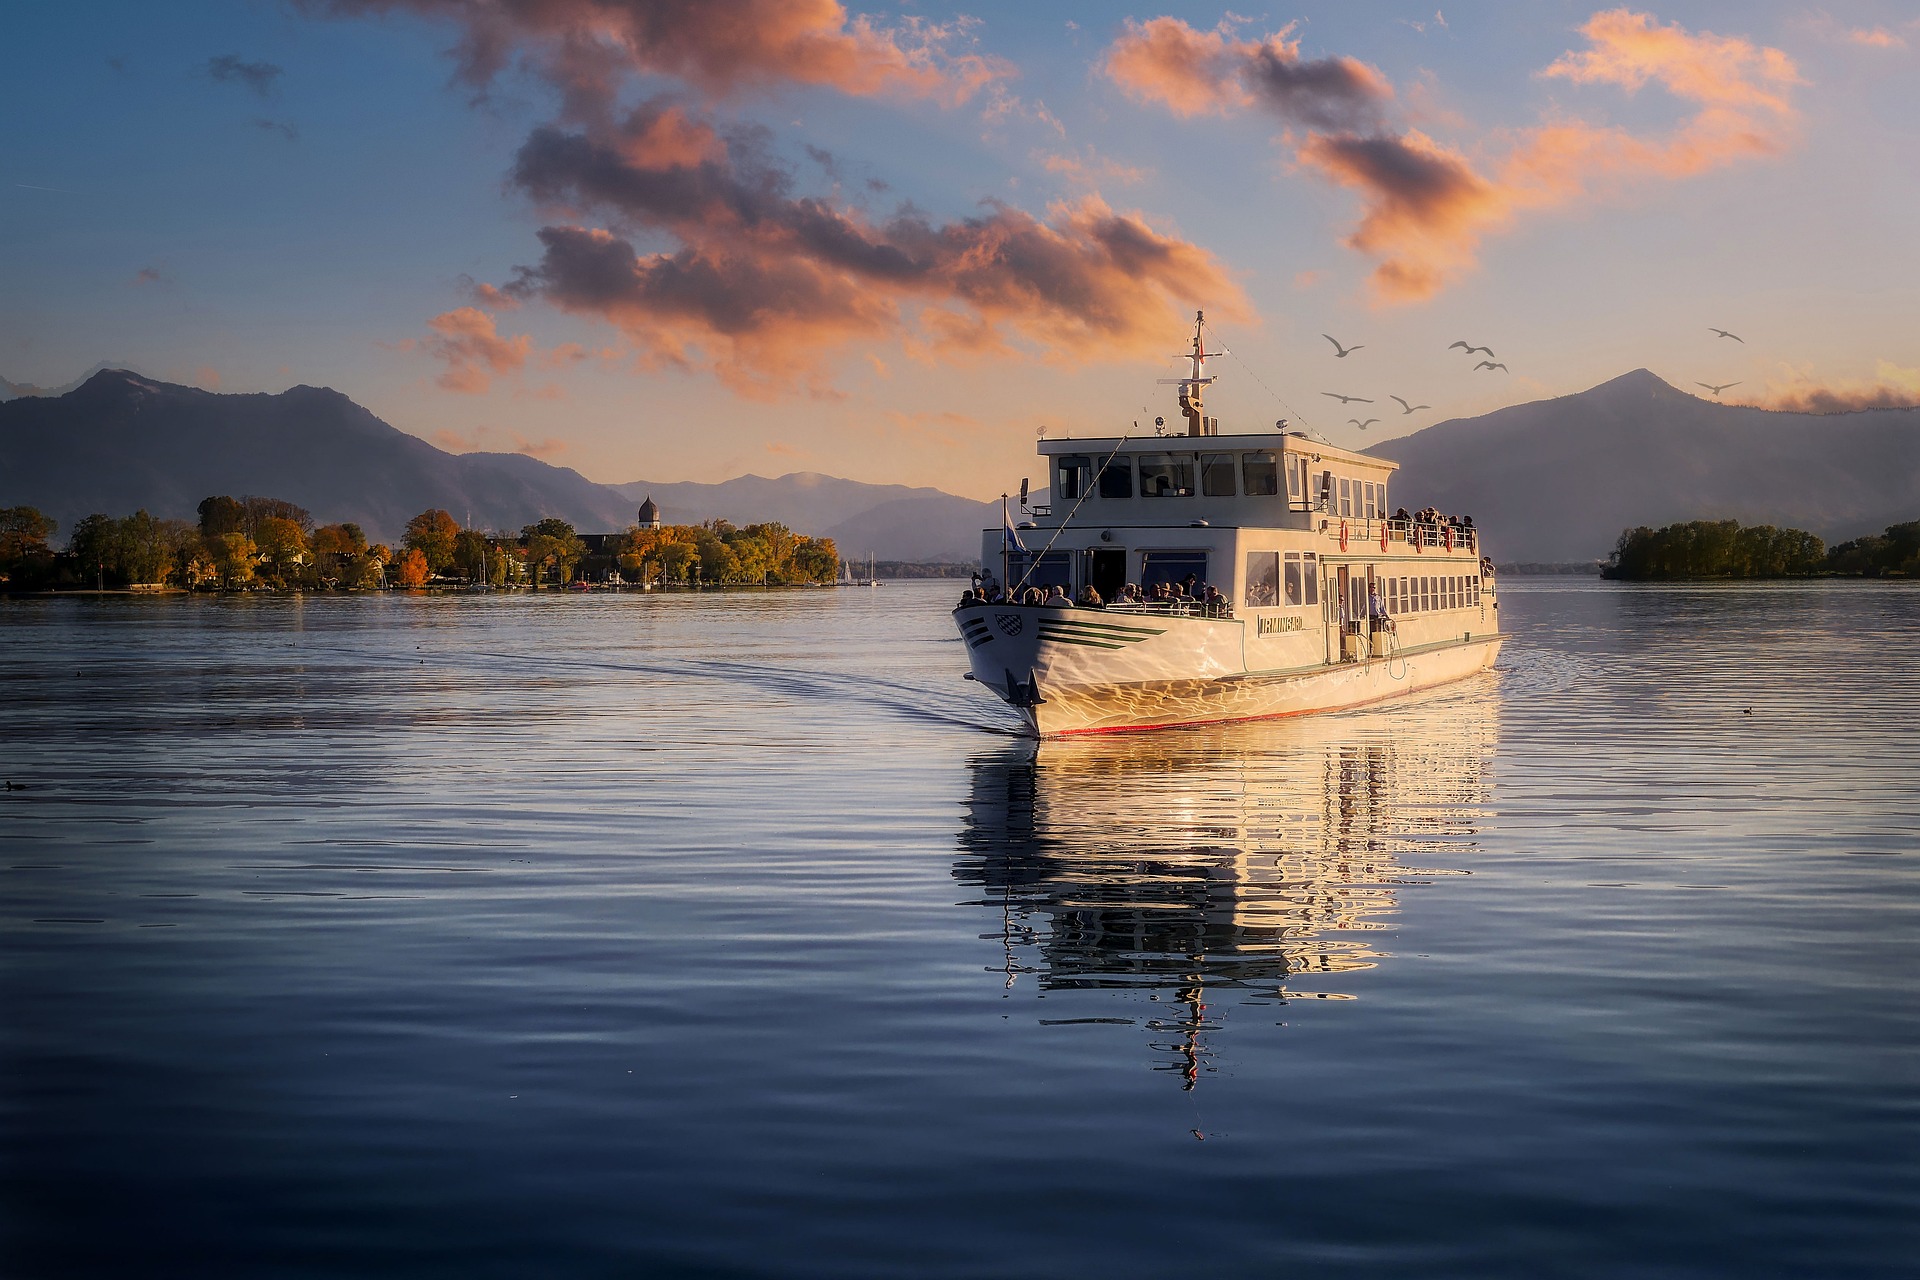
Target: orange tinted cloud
(1891, 387)
(1877, 38)
(589, 47)
(1426, 206)
(542, 449)
(465, 340)
(763, 282)
(1193, 72)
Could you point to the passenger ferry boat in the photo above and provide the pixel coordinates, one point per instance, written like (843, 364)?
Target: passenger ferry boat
(1294, 533)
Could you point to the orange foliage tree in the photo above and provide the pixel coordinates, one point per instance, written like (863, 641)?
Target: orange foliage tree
(410, 570)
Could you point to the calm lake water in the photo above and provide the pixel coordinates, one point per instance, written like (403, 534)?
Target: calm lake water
(736, 936)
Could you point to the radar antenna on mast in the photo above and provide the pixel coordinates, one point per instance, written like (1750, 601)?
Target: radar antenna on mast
(1191, 406)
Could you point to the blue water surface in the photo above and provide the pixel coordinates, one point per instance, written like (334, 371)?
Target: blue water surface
(737, 935)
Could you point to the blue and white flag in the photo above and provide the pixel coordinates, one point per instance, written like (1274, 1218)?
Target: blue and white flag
(1010, 539)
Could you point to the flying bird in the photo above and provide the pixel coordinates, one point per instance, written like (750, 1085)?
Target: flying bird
(1410, 408)
(1489, 364)
(1363, 425)
(1340, 352)
(1736, 337)
(1469, 348)
(1346, 399)
(1716, 390)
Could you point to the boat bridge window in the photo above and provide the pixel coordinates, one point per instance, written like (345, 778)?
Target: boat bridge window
(1071, 481)
(1116, 481)
(1263, 579)
(1166, 475)
(1326, 491)
(1303, 578)
(1346, 496)
(1260, 476)
(1052, 569)
(1216, 475)
(1157, 567)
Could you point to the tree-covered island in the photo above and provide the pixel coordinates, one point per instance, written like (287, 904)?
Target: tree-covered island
(253, 543)
(1712, 549)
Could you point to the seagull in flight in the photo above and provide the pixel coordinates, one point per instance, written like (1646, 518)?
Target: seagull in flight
(1736, 337)
(1340, 352)
(1410, 408)
(1716, 390)
(1346, 399)
(1489, 364)
(1363, 425)
(1469, 348)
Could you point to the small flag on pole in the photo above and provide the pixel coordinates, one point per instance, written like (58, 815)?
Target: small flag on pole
(1010, 539)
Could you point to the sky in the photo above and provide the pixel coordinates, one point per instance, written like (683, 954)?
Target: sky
(667, 240)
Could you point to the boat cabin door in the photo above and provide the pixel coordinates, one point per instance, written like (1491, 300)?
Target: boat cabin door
(1107, 571)
(1337, 606)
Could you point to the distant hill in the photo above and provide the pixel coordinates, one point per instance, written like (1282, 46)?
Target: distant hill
(1557, 480)
(120, 442)
(15, 390)
(890, 521)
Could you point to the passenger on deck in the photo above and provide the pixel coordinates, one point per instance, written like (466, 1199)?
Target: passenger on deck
(969, 597)
(1215, 605)
(1377, 613)
(1057, 599)
(1090, 599)
(1033, 595)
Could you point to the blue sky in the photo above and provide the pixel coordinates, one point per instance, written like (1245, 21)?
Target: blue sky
(323, 211)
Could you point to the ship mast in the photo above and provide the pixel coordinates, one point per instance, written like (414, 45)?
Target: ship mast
(1191, 392)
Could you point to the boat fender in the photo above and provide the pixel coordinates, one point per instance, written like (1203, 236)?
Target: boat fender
(1343, 535)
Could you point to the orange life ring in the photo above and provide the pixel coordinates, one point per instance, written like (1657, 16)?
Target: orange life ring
(1419, 540)
(1343, 535)
(1383, 535)
(1449, 536)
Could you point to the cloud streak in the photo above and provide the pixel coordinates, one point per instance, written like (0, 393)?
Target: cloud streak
(1425, 206)
(587, 48)
(1891, 387)
(760, 282)
(474, 353)
(257, 77)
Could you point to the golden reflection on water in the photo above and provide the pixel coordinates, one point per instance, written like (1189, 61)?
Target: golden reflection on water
(1246, 859)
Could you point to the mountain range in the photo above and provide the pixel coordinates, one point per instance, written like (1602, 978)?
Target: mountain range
(120, 442)
(1553, 480)
(1558, 480)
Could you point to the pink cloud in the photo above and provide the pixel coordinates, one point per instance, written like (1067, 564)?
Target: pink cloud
(1427, 206)
(465, 340)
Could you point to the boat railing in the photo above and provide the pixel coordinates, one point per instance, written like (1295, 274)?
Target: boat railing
(1420, 533)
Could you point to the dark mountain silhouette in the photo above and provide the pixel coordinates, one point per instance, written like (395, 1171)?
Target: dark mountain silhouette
(1558, 480)
(122, 442)
(15, 390)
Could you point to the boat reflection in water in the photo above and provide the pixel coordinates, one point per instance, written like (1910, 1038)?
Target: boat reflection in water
(1238, 864)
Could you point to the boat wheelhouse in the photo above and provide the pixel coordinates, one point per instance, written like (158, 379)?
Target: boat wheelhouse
(1325, 599)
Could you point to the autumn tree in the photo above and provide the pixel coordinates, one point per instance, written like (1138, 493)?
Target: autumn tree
(281, 544)
(235, 558)
(411, 569)
(220, 515)
(339, 554)
(432, 533)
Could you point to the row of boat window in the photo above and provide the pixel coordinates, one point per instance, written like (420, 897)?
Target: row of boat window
(1427, 593)
(1213, 475)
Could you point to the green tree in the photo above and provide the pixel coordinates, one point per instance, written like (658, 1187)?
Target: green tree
(222, 514)
(25, 556)
(552, 545)
(432, 533)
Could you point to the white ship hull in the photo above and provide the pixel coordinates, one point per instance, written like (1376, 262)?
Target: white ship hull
(1073, 671)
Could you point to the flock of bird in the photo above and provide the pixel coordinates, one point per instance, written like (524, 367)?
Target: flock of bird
(1491, 363)
(1406, 407)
